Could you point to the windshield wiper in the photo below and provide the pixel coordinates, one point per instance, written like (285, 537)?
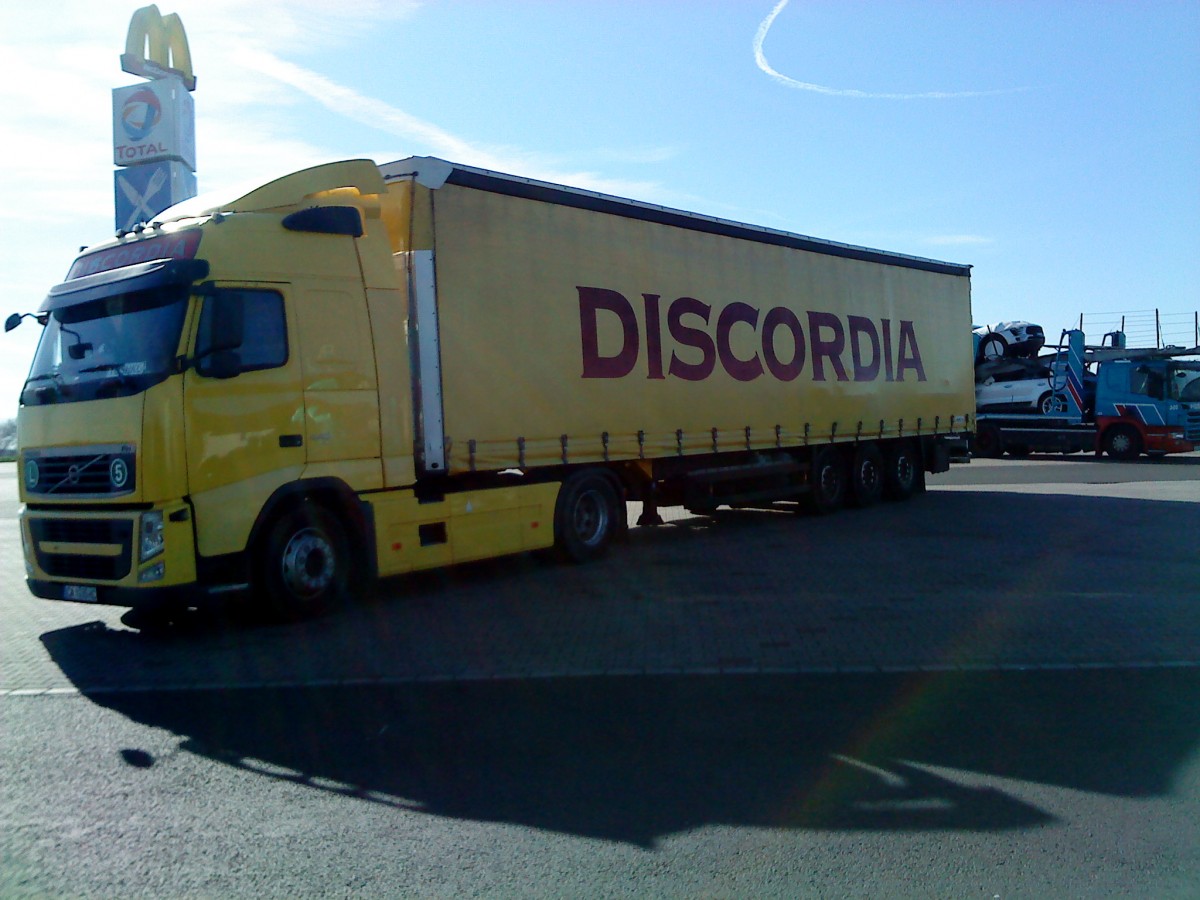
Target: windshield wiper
(118, 368)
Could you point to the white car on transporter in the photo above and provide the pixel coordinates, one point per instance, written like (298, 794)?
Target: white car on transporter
(1008, 339)
(1032, 386)
(1028, 395)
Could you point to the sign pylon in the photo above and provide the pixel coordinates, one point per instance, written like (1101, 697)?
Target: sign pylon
(154, 123)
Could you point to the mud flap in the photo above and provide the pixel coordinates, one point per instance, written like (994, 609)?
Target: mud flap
(938, 460)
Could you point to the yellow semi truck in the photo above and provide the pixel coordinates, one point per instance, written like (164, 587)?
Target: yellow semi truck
(359, 370)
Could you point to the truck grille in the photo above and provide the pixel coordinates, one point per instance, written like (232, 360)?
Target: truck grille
(1191, 428)
(106, 471)
(93, 549)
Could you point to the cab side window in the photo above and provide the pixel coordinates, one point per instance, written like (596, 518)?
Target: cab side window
(265, 343)
(248, 323)
(1147, 381)
(1138, 382)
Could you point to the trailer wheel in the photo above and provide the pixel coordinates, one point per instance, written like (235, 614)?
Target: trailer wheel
(305, 564)
(901, 471)
(585, 516)
(866, 475)
(1123, 442)
(827, 482)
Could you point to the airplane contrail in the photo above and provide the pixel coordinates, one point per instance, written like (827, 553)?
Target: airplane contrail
(761, 59)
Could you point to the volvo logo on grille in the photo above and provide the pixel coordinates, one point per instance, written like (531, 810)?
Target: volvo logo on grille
(118, 472)
(73, 475)
(32, 473)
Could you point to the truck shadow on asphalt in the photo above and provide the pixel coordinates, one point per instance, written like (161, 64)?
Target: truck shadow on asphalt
(636, 758)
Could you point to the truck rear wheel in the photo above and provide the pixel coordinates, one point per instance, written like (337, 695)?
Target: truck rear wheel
(585, 516)
(866, 475)
(304, 567)
(827, 482)
(1123, 442)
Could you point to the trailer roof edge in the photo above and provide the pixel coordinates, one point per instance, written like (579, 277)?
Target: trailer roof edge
(433, 173)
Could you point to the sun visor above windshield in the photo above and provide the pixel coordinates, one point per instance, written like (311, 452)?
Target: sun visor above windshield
(127, 279)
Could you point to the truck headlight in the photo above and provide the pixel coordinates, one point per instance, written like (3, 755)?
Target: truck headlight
(153, 536)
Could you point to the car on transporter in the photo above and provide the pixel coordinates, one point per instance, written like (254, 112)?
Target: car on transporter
(1020, 340)
(1032, 386)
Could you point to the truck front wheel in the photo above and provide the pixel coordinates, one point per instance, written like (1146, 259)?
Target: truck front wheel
(1123, 442)
(585, 516)
(305, 564)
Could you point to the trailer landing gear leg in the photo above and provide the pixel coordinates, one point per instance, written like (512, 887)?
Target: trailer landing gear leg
(650, 514)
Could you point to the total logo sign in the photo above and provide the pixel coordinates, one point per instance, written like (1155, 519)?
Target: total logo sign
(141, 113)
(152, 122)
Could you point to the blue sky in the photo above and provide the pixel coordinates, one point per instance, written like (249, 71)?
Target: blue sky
(1055, 146)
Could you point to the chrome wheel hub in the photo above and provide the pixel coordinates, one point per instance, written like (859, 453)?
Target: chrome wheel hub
(308, 563)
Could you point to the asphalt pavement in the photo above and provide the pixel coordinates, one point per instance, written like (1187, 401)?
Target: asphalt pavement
(990, 690)
(1031, 565)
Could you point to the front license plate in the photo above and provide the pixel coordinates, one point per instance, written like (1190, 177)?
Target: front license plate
(82, 592)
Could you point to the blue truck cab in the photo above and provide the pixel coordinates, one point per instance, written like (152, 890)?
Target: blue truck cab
(1147, 405)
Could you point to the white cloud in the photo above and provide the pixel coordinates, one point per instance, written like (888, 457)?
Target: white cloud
(249, 99)
(59, 64)
(385, 117)
(760, 58)
(287, 26)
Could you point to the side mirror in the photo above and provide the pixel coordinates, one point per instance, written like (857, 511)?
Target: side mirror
(15, 319)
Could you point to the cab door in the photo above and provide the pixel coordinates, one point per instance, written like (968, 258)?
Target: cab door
(244, 410)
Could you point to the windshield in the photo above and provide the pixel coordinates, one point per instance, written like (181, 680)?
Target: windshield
(1187, 382)
(110, 347)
